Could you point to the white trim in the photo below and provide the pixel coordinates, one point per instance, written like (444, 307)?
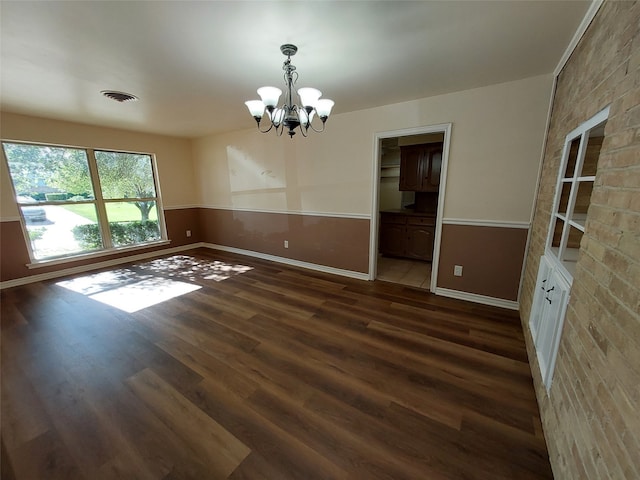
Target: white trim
(435, 263)
(94, 266)
(594, 121)
(159, 253)
(289, 261)
(579, 132)
(577, 36)
(473, 297)
(375, 181)
(88, 256)
(485, 223)
(180, 207)
(363, 216)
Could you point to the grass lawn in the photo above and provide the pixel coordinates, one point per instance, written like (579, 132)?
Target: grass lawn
(117, 212)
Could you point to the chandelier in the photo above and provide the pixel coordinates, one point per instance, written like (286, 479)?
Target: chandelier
(290, 115)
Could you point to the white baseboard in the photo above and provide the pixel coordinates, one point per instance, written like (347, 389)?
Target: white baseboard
(95, 266)
(473, 297)
(168, 251)
(290, 261)
(445, 292)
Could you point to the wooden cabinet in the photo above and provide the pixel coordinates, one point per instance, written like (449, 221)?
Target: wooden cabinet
(407, 235)
(420, 167)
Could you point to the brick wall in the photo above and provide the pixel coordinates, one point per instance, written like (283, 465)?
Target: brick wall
(592, 415)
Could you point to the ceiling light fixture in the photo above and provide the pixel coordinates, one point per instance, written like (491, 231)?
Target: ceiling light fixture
(290, 115)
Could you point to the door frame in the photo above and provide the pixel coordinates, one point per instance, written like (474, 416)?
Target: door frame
(373, 225)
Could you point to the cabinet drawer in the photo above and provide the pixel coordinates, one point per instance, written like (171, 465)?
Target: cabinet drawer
(428, 221)
(398, 219)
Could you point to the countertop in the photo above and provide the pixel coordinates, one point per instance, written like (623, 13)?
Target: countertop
(409, 212)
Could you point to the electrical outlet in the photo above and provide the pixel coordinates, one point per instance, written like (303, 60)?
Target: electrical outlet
(286, 244)
(188, 232)
(457, 270)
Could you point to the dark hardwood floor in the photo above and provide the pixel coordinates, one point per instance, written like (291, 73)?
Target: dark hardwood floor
(264, 372)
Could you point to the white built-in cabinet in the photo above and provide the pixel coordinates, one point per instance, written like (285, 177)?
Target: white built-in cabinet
(566, 230)
(547, 315)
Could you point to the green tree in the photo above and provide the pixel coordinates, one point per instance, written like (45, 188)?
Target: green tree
(122, 175)
(127, 175)
(71, 174)
(32, 166)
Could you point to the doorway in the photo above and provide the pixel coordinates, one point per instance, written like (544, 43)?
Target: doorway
(413, 215)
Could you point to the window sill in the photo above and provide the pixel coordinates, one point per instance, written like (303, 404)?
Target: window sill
(89, 256)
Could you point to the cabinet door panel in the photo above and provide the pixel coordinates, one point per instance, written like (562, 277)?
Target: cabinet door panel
(551, 326)
(392, 239)
(539, 301)
(420, 242)
(411, 169)
(547, 315)
(432, 181)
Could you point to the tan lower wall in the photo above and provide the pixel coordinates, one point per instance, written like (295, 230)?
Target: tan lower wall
(336, 242)
(491, 258)
(14, 255)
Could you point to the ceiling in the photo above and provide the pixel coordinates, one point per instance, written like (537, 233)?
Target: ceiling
(193, 64)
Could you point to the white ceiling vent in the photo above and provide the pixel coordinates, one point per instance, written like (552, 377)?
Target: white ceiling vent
(119, 96)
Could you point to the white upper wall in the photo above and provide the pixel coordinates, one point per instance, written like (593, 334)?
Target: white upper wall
(495, 152)
(493, 165)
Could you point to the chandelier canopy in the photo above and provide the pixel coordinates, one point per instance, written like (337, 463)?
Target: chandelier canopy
(290, 115)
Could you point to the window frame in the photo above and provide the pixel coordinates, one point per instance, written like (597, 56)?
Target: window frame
(100, 206)
(565, 257)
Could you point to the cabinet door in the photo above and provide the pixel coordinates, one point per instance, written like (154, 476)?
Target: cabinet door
(431, 174)
(420, 242)
(556, 298)
(539, 301)
(392, 239)
(411, 168)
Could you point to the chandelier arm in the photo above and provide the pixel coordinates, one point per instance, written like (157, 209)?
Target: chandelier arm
(267, 130)
(324, 123)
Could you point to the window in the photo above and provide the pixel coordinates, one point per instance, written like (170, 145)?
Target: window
(76, 201)
(573, 192)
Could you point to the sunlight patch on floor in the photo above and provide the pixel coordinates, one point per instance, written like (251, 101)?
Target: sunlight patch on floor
(150, 283)
(130, 295)
(192, 268)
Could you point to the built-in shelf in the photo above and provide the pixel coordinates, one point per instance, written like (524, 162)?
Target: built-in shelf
(579, 220)
(576, 181)
(390, 171)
